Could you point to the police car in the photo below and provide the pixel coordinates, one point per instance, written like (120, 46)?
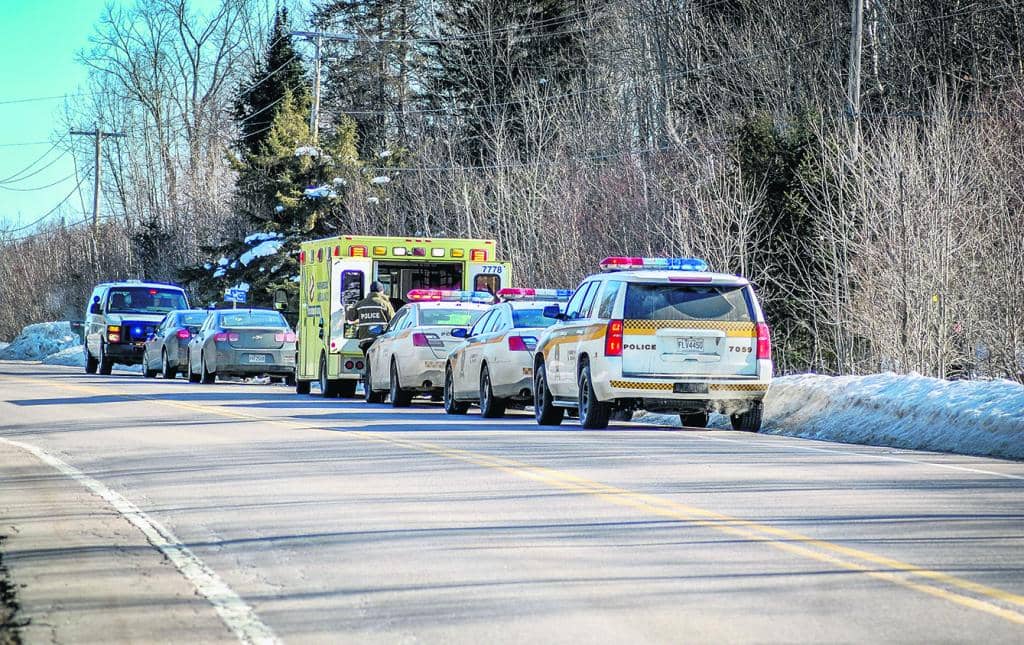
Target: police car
(657, 334)
(408, 358)
(494, 366)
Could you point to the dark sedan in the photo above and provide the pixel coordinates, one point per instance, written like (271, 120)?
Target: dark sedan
(166, 348)
(242, 342)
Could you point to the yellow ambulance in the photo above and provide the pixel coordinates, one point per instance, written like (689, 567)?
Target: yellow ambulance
(335, 273)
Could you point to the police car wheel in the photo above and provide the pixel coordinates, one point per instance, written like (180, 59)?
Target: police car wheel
(106, 365)
(490, 406)
(546, 413)
(594, 414)
(369, 394)
(749, 421)
(399, 398)
(694, 419)
(451, 406)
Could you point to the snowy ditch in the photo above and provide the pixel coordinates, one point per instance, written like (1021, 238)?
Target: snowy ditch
(901, 411)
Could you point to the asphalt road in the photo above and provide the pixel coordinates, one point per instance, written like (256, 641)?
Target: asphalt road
(143, 510)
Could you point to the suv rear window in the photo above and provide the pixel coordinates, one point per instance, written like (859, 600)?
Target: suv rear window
(686, 302)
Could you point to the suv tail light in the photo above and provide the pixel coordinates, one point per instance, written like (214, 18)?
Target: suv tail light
(613, 338)
(184, 334)
(764, 341)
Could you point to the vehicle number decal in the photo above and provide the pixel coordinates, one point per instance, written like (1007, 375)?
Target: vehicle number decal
(491, 268)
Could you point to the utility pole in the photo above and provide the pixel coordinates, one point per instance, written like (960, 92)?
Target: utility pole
(853, 70)
(317, 38)
(98, 135)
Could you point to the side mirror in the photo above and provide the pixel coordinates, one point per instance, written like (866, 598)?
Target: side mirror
(460, 332)
(553, 311)
(280, 300)
(94, 308)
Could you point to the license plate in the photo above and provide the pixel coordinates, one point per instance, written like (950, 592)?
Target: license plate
(690, 388)
(689, 345)
(257, 358)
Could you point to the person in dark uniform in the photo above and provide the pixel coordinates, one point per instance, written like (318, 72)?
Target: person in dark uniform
(375, 309)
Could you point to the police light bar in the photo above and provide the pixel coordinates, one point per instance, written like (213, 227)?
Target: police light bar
(559, 295)
(444, 295)
(665, 264)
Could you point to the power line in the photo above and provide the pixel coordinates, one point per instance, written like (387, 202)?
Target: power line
(39, 98)
(29, 190)
(18, 174)
(48, 213)
(25, 143)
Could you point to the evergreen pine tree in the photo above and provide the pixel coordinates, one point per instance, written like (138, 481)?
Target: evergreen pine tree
(259, 99)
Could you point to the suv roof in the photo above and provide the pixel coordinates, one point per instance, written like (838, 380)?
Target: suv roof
(140, 283)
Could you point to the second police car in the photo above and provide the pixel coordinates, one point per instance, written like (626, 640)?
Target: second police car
(494, 366)
(408, 358)
(657, 334)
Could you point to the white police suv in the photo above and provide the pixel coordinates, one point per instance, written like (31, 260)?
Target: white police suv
(658, 334)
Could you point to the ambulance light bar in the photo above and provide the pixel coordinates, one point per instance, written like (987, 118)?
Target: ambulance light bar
(558, 295)
(443, 295)
(664, 264)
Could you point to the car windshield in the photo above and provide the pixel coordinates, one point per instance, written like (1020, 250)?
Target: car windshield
(450, 317)
(193, 319)
(686, 302)
(253, 319)
(144, 300)
(531, 318)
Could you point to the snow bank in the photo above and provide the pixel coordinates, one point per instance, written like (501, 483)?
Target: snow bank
(901, 411)
(263, 249)
(72, 356)
(38, 341)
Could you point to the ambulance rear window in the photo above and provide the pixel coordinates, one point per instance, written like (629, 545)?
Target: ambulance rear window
(450, 317)
(687, 302)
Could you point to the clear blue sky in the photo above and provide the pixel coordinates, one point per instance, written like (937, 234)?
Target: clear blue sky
(38, 43)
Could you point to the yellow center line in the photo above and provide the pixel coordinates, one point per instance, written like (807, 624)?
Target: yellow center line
(934, 583)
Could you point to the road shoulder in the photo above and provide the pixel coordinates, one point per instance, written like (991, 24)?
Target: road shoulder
(82, 572)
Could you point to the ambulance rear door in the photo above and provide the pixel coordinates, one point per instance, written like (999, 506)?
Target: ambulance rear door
(350, 282)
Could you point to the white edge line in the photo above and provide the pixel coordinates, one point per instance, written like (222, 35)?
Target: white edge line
(238, 616)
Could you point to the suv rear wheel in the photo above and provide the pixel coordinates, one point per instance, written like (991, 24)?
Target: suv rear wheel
(749, 421)
(594, 414)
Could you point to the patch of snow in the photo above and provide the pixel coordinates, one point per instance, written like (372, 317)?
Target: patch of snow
(339, 181)
(261, 250)
(307, 151)
(295, 278)
(223, 262)
(3, 345)
(72, 357)
(260, 237)
(36, 342)
(207, 266)
(381, 180)
(903, 411)
(319, 192)
(911, 411)
(244, 286)
(373, 200)
(384, 154)
(219, 273)
(279, 208)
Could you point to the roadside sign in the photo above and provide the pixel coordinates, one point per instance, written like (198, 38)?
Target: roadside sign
(236, 295)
